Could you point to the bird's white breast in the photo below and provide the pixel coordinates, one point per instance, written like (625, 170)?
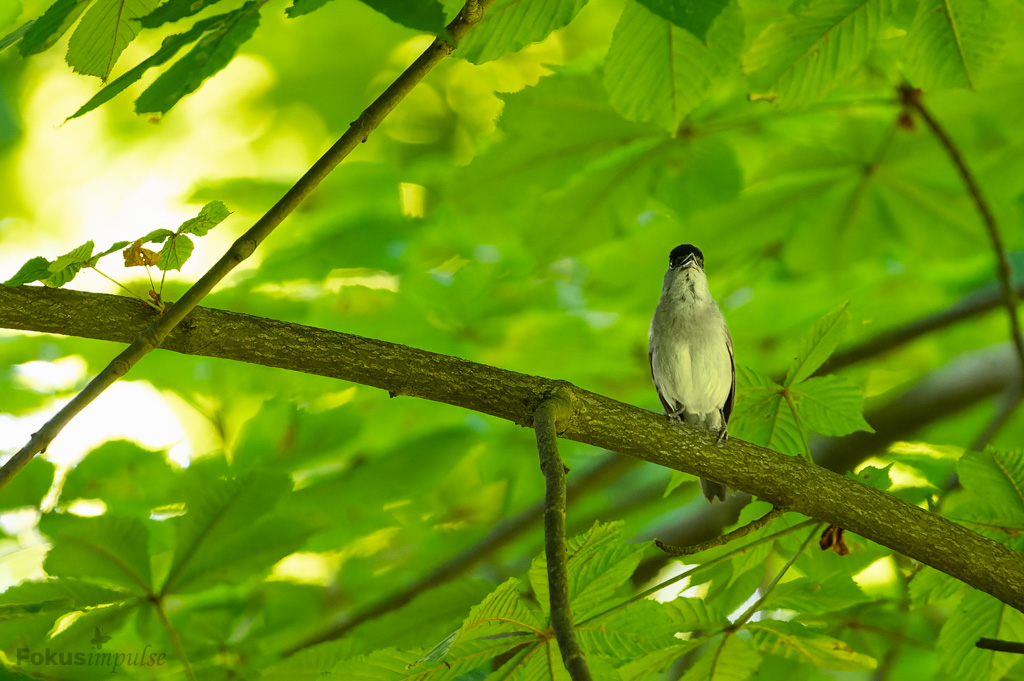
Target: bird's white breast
(690, 361)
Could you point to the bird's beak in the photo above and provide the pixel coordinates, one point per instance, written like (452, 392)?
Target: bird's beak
(691, 261)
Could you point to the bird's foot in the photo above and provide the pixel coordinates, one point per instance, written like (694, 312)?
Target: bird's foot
(723, 436)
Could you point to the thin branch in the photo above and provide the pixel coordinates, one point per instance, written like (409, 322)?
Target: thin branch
(1007, 404)
(745, 617)
(1000, 646)
(912, 99)
(552, 413)
(244, 246)
(738, 533)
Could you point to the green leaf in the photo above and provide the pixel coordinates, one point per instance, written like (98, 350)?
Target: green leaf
(54, 23)
(511, 25)
(175, 251)
(638, 629)
(599, 563)
(172, 10)
(795, 641)
(113, 549)
(694, 16)
(111, 472)
(764, 416)
(421, 15)
(727, 658)
(105, 31)
(831, 405)
(211, 215)
(804, 56)
(992, 481)
(978, 615)
(213, 52)
(809, 595)
(951, 42)
(653, 664)
(227, 533)
(116, 246)
(657, 72)
(63, 269)
(35, 269)
(873, 476)
(157, 236)
(168, 48)
(15, 35)
(34, 481)
(818, 344)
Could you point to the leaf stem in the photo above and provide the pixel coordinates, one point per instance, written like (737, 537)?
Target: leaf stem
(133, 293)
(175, 639)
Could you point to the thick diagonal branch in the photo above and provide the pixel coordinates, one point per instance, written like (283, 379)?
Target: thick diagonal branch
(153, 336)
(556, 410)
(787, 482)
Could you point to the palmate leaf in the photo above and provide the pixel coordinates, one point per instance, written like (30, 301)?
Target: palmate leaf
(213, 52)
(634, 631)
(511, 25)
(63, 269)
(951, 42)
(764, 416)
(34, 482)
(817, 344)
(175, 251)
(831, 405)
(803, 57)
(978, 615)
(105, 30)
(210, 215)
(657, 72)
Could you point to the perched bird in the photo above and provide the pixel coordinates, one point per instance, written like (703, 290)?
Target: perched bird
(690, 351)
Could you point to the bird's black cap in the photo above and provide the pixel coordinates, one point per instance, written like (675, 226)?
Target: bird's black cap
(682, 252)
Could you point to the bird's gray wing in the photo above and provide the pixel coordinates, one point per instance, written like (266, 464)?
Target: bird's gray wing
(664, 403)
(730, 401)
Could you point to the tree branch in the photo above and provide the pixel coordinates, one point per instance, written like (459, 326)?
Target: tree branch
(787, 482)
(912, 99)
(553, 412)
(153, 336)
(722, 540)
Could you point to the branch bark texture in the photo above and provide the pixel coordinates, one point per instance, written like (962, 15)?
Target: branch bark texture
(790, 483)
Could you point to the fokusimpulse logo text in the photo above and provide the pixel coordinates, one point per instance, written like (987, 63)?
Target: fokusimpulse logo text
(96, 658)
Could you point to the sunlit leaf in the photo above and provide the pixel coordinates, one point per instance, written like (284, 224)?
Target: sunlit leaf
(15, 35)
(213, 52)
(33, 270)
(210, 215)
(48, 29)
(422, 15)
(34, 482)
(511, 25)
(105, 30)
(63, 269)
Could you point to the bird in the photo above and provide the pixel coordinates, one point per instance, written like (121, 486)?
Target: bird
(690, 352)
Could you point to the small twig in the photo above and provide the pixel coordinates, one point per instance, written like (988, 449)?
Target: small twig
(697, 570)
(246, 244)
(1000, 645)
(745, 617)
(722, 540)
(133, 293)
(553, 410)
(1006, 406)
(912, 99)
